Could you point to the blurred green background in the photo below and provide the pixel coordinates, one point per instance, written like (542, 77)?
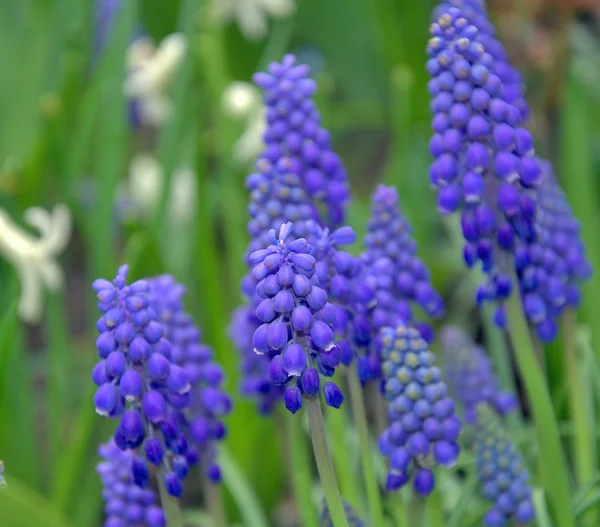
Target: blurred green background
(66, 137)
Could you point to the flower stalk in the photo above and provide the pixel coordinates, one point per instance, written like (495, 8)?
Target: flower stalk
(360, 422)
(213, 499)
(553, 467)
(324, 463)
(170, 505)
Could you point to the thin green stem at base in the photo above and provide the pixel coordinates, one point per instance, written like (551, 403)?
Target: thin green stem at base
(554, 472)
(580, 407)
(324, 464)
(417, 511)
(169, 504)
(213, 499)
(359, 413)
(300, 470)
(338, 424)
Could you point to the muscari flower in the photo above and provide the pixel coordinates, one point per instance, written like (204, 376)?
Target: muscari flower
(470, 376)
(137, 381)
(551, 268)
(424, 428)
(125, 503)
(256, 383)
(351, 516)
(293, 130)
(34, 257)
(251, 15)
(2, 480)
(297, 320)
(390, 252)
(202, 418)
(485, 163)
(504, 478)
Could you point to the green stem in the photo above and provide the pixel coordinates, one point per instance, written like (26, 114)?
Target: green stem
(213, 499)
(579, 399)
(554, 472)
(170, 505)
(359, 413)
(417, 511)
(300, 470)
(435, 509)
(337, 427)
(324, 464)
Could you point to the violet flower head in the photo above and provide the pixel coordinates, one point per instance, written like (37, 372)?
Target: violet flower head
(256, 384)
(277, 195)
(297, 320)
(351, 516)
(551, 268)
(202, 417)
(503, 476)
(470, 376)
(424, 428)
(393, 272)
(125, 503)
(294, 131)
(485, 165)
(137, 382)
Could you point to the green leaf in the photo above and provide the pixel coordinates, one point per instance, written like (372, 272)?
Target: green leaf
(21, 506)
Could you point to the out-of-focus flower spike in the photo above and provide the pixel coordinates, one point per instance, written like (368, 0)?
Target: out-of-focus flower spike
(351, 516)
(470, 376)
(125, 503)
(294, 131)
(503, 476)
(423, 427)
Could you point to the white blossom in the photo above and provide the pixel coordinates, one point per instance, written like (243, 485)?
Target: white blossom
(34, 257)
(145, 183)
(252, 15)
(150, 72)
(242, 100)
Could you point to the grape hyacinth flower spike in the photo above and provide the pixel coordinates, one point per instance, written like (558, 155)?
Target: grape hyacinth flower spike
(504, 479)
(125, 503)
(297, 320)
(351, 516)
(201, 419)
(294, 131)
(137, 382)
(485, 165)
(424, 428)
(470, 376)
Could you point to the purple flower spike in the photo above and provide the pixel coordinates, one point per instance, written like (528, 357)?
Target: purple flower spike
(503, 476)
(480, 145)
(294, 133)
(424, 429)
(298, 336)
(194, 374)
(470, 376)
(126, 503)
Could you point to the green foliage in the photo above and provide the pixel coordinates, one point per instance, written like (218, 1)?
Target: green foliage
(64, 137)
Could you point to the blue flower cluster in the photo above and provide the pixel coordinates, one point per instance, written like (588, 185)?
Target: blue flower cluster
(351, 516)
(294, 131)
(424, 428)
(137, 381)
(125, 503)
(504, 479)
(551, 268)
(394, 271)
(485, 163)
(297, 320)
(200, 417)
(470, 376)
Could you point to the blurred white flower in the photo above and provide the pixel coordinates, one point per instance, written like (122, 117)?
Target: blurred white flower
(34, 256)
(143, 188)
(251, 15)
(242, 100)
(150, 72)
